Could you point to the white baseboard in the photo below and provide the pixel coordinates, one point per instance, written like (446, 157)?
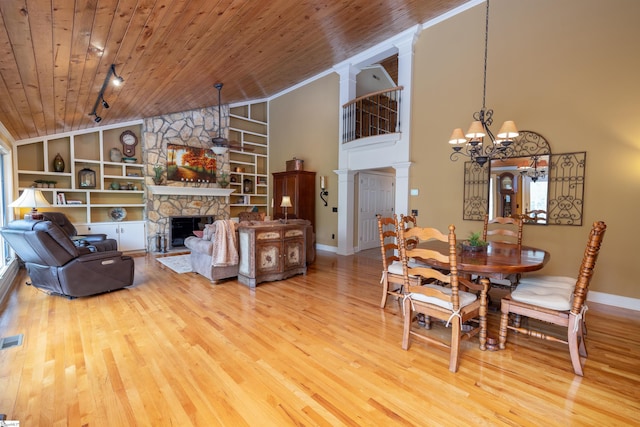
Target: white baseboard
(614, 300)
(327, 248)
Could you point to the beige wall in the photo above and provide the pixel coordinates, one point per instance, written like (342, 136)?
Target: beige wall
(567, 70)
(304, 124)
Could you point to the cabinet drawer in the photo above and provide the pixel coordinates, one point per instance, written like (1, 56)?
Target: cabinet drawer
(269, 235)
(294, 233)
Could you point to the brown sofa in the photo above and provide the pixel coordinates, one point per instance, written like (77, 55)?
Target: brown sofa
(57, 265)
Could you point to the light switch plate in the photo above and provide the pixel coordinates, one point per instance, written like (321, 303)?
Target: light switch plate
(414, 192)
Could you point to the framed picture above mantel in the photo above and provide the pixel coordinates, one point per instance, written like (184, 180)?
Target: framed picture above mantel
(190, 164)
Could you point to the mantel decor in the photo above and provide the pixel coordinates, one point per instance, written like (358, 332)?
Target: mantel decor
(170, 190)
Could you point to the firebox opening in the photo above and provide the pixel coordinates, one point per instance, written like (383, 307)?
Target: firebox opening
(181, 227)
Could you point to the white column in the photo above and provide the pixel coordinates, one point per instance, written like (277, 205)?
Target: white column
(402, 188)
(346, 202)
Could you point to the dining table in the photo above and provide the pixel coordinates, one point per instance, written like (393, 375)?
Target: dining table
(497, 260)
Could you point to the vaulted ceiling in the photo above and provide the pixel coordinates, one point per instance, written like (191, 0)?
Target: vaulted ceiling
(55, 54)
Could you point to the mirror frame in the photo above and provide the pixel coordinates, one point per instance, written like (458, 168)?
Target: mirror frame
(566, 181)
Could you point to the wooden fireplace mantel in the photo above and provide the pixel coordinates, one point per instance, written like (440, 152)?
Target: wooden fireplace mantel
(169, 190)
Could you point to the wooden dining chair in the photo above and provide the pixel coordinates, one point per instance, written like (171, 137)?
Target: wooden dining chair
(447, 303)
(502, 229)
(508, 230)
(555, 302)
(391, 280)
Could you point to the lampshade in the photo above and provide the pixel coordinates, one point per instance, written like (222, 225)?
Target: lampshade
(286, 202)
(475, 130)
(508, 130)
(457, 137)
(219, 150)
(30, 198)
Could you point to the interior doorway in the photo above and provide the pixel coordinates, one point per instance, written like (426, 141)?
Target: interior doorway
(376, 195)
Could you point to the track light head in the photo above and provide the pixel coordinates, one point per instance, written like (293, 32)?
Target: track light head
(117, 80)
(97, 119)
(105, 104)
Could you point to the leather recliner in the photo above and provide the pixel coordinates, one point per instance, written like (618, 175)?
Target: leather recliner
(97, 241)
(57, 265)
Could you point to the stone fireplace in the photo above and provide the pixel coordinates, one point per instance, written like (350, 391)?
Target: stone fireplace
(193, 128)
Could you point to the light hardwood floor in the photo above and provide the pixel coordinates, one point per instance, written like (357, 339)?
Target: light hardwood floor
(311, 350)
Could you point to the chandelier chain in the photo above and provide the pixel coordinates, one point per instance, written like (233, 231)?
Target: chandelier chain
(486, 49)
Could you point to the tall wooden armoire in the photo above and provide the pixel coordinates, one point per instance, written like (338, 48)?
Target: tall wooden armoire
(300, 187)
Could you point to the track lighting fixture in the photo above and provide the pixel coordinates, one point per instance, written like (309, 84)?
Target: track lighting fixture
(100, 99)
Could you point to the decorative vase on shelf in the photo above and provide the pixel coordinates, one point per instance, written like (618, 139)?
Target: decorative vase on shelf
(115, 155)
(58, 163)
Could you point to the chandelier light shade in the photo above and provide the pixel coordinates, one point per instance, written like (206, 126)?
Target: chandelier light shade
(472, 143)
(508, 130)
(476, 130)
(31, 198)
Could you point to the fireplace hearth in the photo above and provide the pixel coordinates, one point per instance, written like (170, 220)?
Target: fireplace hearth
(181, 227)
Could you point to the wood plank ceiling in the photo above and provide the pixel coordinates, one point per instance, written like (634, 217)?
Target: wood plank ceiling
(55, 54)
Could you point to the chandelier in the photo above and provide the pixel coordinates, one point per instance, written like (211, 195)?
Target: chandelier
(472, 144)
(532, 171)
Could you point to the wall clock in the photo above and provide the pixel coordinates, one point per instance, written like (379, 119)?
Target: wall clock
(129, 141)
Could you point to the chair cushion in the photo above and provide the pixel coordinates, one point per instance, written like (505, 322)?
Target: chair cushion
(549, 295)
(466, 298)
(396, 267)
(554, 281)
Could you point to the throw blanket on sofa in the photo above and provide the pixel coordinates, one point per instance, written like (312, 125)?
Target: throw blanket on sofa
(225, 247)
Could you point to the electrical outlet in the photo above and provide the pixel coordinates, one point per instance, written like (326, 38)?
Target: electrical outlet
(335, 209)
(333, 236)
(414, 212)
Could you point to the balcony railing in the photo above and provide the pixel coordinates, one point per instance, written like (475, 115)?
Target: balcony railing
(372, 114)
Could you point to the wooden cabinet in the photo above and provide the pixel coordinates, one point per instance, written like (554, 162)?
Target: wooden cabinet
(300, 186)
(271, 252)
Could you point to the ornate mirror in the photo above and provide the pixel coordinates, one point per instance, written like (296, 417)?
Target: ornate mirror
(529, 182)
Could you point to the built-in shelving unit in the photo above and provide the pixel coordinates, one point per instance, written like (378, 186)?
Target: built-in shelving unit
(249, 171)
(117, 184)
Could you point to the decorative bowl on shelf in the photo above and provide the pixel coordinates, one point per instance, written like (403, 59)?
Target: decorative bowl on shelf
(117, 214)
(129, 159)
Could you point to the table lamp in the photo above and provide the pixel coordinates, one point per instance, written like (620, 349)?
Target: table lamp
(31, 198)
(286, 203)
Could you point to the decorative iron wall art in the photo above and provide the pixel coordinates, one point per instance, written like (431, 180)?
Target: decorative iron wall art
(565, 201)
(566, 188)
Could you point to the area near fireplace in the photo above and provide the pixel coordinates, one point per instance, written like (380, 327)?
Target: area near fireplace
(181, 227)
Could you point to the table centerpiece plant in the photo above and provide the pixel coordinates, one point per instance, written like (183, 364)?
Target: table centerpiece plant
(474, 243)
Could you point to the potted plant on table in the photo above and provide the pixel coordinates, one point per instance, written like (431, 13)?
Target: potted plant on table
(474, 243)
